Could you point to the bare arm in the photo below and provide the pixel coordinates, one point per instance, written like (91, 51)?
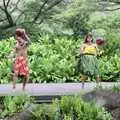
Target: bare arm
(27, 38)
(97, 49)
(81, 49)
(21, 43)
(99, 52)
(11, 54)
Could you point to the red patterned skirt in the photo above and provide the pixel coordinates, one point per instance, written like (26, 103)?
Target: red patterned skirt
(21, 66)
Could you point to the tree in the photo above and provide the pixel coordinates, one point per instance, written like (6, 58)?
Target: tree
(109, 5)
(8, 8)
(14, 12)
(53, 16)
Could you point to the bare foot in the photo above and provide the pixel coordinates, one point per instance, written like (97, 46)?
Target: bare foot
(98, 84)
(14, 86)
(82, 85)
(23, 88)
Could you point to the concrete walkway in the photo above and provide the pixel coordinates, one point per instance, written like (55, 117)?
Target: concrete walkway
(51, 89)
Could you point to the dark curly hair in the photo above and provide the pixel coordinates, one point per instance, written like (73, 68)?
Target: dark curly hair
(86, 38)
(22, 34)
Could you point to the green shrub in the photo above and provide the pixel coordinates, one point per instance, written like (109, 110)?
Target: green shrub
(110, 68)
(112, 43)
(5, 64)
(71, 108)
(53, 60)
(116, 88)
(15, 104)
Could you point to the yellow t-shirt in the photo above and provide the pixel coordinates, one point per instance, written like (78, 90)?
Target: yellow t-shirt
(90, 49)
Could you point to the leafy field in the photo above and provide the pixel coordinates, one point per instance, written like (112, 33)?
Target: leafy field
(56, 29)
(52, 59)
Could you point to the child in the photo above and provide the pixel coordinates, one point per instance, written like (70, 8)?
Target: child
(87, 63)
(20, 64)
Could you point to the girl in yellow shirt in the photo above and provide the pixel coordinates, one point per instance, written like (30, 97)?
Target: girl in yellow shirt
(87, 63)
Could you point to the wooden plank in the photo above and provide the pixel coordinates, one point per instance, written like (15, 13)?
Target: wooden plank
(52, 89)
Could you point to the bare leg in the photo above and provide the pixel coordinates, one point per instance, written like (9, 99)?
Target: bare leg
(26, 79)
(83, 79)
(98, 80)
(14, 78)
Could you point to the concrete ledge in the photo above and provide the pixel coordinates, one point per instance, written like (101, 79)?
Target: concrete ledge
(52, 89)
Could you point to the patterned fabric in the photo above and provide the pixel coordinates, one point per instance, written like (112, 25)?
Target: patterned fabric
(88, 65)
(20, 66)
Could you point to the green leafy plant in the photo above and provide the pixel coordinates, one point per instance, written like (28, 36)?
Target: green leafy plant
(52, 59)
(15, 104)
(71, 108)
(110, 68)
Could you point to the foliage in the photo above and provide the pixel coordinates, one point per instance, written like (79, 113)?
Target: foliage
(15, 104)
(45, 16)
(5, 64)
(52, 59)
(77, 17)
(105, 16)
(71, 108)
(116, 89)
(58, 16)
(78, 23)
(110, 68)
(112, 43)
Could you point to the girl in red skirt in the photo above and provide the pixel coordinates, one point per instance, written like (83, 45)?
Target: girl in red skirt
(20, 64)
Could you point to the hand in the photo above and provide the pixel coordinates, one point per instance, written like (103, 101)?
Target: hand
(101, 52)
(77, 56)
(6, 55)
(9, 55)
